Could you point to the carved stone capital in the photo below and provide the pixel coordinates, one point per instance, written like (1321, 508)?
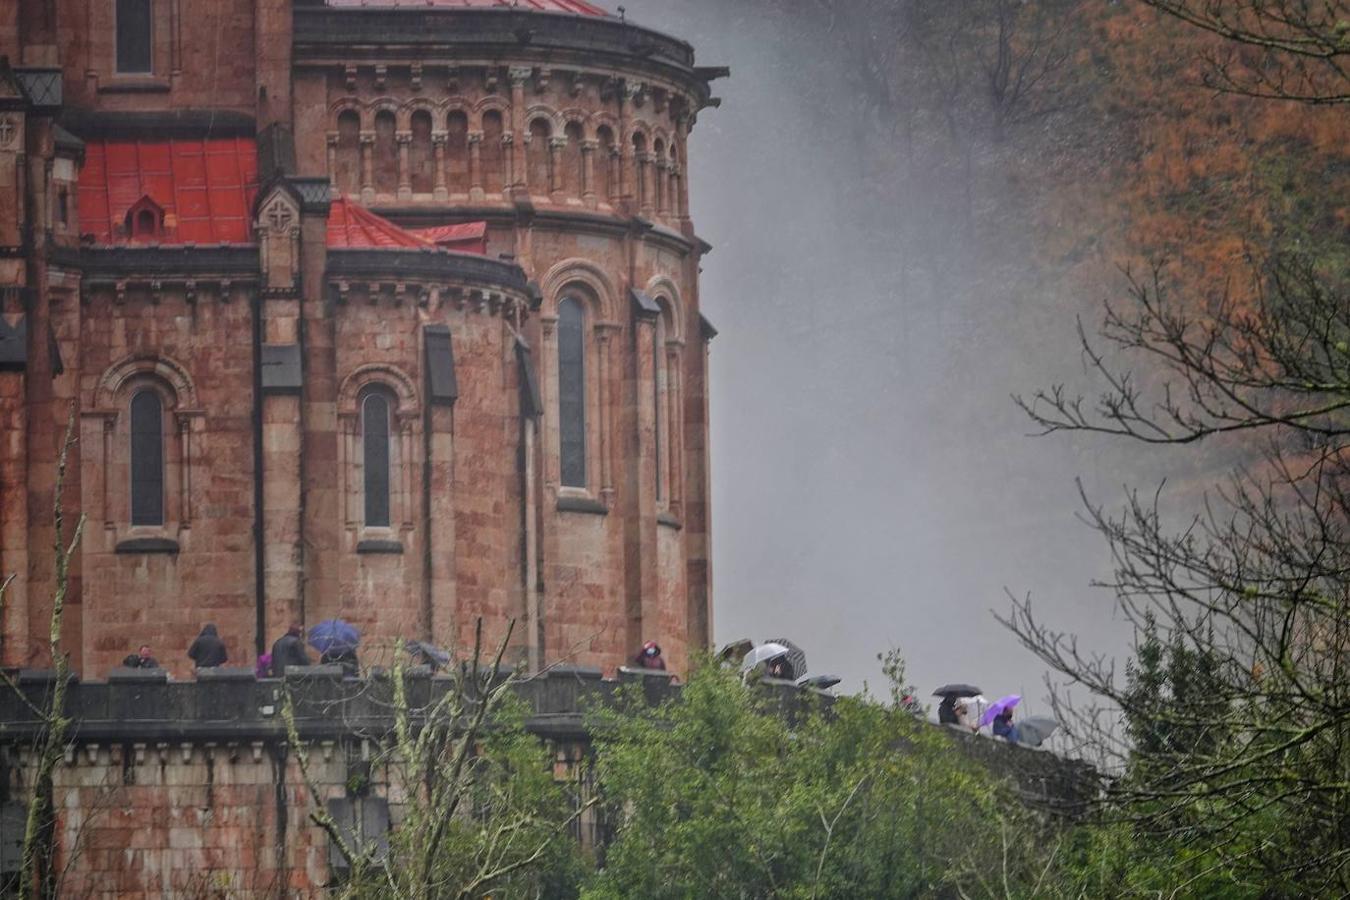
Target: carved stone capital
(332, 138)
(475, 137)
(518, 75)
(557, 142)
(590, 145)
(368, 138)
(508, 139)
(439, 138)
(403, 137)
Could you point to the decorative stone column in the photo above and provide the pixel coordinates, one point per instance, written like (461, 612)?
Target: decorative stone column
(615, 163)
(438, 139)
(404, 140)
(556, 145)
(662, 183)
(367, 166)
(332, 160)
(588, 148)
(517, 75)
(509, 149)
(644, 181)
(475, 140)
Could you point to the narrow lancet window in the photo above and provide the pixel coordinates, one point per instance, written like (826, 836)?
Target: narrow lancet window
(133, 36)
(572, 392)
(375, 446)
(147, 459)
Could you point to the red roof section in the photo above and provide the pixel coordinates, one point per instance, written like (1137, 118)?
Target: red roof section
(467, 237)
(205, 187)
(356, 228)
(576, 7)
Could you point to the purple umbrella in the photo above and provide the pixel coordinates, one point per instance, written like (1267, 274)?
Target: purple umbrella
(998, 707)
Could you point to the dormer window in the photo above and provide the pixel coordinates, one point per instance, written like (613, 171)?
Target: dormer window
(145, 221)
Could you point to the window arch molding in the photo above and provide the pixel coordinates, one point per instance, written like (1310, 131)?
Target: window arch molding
(589, 286)
(116, 451)
(396, 389)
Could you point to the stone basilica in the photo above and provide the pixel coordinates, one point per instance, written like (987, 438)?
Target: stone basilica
(385, 310)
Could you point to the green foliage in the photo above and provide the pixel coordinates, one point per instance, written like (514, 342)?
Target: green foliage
(718, 794)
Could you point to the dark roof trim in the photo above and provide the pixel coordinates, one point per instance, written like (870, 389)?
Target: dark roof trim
(186, 123)
(13, 345)
(644, 305)
(706, 328)
(407, 264)
(531, 400)
(142, 263)
(442, 385)
(282, 372)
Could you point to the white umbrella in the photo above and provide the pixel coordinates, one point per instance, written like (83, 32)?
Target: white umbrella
(1034, 730)
(762, 654)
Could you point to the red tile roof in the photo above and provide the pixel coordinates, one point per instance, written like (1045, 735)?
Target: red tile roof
(205, 187)
(467, 237)
(354, 227)
(576, 7)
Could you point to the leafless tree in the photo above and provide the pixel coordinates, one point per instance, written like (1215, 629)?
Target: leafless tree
(1274, 49)
(38, 873)
(480, 806)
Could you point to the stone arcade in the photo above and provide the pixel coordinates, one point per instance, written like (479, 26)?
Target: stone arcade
(387, 312)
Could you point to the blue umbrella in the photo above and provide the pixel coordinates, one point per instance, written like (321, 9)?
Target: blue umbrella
(333, 635)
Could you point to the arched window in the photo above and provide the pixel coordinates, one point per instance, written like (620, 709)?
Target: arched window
(572, 392)
(386, 154)
(457, 152)
(604, 162)
(147, 458)
(133, 37)
(537, 157)
(659, 411)
(375, 453)
(640, 168)
(571, 159)
(494, 154)
(348, 162)
(420, 157)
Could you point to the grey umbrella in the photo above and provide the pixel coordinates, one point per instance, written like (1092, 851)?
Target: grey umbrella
(796, 656)
(958, 690)
(1034, 730)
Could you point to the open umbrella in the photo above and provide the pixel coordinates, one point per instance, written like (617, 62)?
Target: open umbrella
(1034, 730)
(998, 706)
(762, 654)
(333, 635)
(957, 690)
(796, 655)
(733, 653)
(435, 655)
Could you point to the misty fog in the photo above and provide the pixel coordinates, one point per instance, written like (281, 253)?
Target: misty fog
(874, 485)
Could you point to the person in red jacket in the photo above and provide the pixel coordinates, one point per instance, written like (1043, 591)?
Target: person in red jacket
(649, 657)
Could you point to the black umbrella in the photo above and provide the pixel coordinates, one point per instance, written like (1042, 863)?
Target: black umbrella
(957, 690)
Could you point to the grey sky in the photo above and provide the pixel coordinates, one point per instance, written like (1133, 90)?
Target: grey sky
(873, 484)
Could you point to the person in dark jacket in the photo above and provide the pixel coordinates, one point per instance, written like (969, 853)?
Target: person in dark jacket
(141, 659)
(1003, 726)
(208, 650)
(342, 656)
(947, 710)
(289, 650)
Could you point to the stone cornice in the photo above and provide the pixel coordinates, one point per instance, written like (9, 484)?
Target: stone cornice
(326, 35)
(136, 262)
(385, 264)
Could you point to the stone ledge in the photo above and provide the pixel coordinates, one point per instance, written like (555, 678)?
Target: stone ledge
(374, 546)
(147, 545)
(582, 505)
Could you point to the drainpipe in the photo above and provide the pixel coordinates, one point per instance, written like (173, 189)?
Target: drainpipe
(259, 550)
